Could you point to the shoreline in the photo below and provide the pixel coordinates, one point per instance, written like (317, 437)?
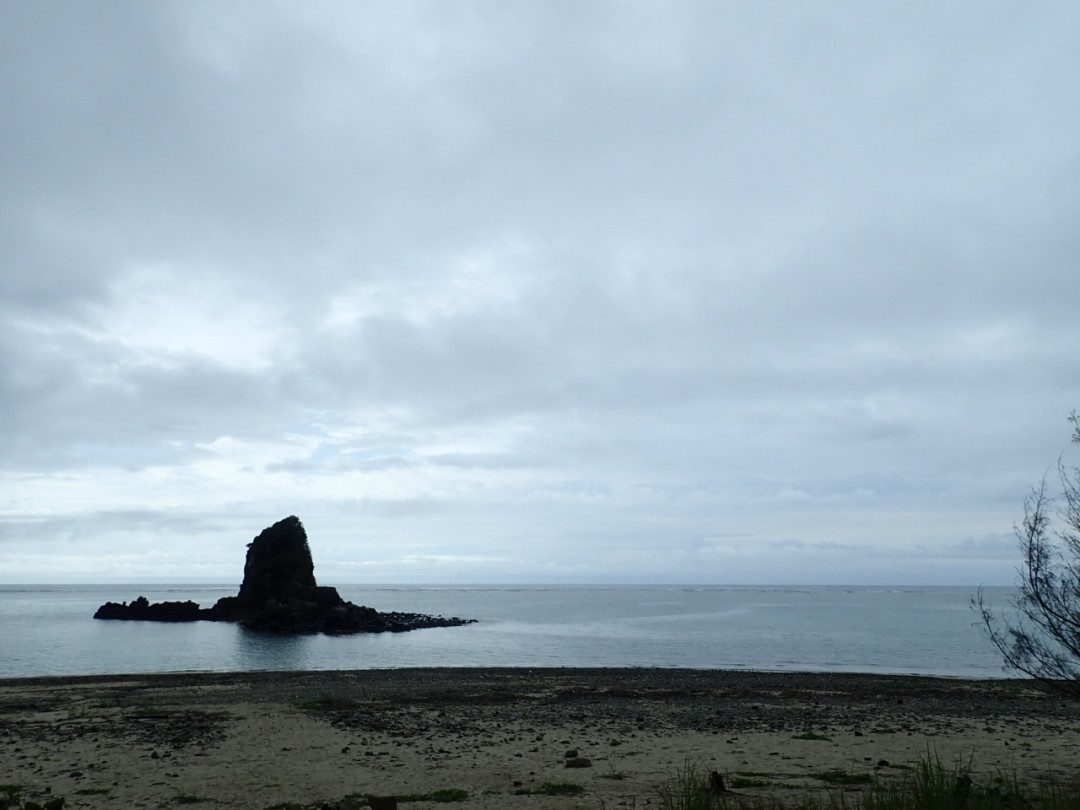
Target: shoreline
(980, 677)
(257, 739)
(719, 671)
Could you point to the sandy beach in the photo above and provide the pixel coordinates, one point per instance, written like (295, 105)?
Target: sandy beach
(256, 740)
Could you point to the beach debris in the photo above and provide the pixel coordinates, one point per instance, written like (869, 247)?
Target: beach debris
(382, 802)
(279, 594)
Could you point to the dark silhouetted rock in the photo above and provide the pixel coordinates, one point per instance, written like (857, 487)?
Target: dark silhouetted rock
(278, 566)
(141, 610)
(279, 595)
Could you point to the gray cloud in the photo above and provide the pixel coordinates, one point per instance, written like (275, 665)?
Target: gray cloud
(602, 290)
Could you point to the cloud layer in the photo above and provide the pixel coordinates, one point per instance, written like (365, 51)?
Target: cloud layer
(686, 292)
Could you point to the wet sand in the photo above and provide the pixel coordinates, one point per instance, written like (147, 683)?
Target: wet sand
(255, 740)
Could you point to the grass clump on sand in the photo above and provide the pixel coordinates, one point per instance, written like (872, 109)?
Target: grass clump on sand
(552, 789)
(930, 786)
(11, 798)
(150, 712)
(442, 796)
(328, 702)
(688, 789)
(612, 774)
(839, 777)
(810, 735)
(741, 782)
(449, 795)
(445, 795)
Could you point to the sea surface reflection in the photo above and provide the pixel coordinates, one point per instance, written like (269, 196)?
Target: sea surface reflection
(48, 630)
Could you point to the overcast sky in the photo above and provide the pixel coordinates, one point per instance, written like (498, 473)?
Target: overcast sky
(715, 292)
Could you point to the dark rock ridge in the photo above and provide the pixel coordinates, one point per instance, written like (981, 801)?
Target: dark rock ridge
(158, 612)
(279, 595)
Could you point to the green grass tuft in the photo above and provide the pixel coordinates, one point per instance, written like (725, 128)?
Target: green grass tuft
(740, 782)
(928, 786)
(810, 735)
(687, 789)
(612, 774)
(552, 789)
(442, 796)
(838, 777)
(328, 702)
(147, 710)
(449, 795)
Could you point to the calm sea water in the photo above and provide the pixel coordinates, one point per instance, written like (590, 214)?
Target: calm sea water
(48, 630)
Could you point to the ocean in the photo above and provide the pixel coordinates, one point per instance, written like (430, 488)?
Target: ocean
(48, 630)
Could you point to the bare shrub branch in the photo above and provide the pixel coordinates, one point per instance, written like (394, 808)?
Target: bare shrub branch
(1041, 635)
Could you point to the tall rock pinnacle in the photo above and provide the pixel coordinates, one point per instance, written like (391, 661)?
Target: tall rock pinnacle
(278, 566)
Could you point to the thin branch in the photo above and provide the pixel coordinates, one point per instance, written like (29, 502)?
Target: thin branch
(1041, 638)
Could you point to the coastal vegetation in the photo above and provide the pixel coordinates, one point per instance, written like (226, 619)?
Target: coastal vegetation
(1041, 637)
(328, 702)
(552, 789)
(930, 785)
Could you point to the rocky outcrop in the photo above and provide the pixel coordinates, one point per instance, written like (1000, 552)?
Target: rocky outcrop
(279, 595)
(279, 567)
(142, 610)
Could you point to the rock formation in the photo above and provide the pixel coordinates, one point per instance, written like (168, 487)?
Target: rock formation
(278, 565)
(158, 612)
(279, 594)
